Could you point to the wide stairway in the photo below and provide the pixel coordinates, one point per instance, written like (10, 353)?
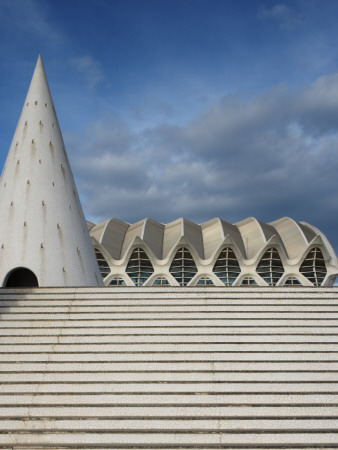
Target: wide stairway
(169, 368)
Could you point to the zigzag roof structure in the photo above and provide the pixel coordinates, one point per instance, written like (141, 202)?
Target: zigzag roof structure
(194, 366)
(249, 240)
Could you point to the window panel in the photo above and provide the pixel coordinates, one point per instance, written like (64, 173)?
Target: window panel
(248, 281)
(117, 281)
(226, 267)
(205, 281)
(313, 267)
(103, 265)
(139, 267)
(183, 267)
(161, 281)
(270, 267)
(292, 281)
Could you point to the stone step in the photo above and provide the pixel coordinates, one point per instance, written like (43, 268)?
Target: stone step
(110, 310)
(168, 297)
(202, 334)
(187, 424)
(182, 316)
(159, 446)
(162, 439)
(90, 336)
(155, 290)
(169, 366)
(173, 368)
(169, 323)
(96, 341)
(160, 398)
(164, 304)
(179, 356)
(271, 411)
(181, 307)
(168, 376)
(175, 387)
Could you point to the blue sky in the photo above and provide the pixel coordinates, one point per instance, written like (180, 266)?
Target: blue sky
(194, 108)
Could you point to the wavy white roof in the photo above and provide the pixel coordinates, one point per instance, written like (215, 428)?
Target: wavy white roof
(249, 236)
(249, 239)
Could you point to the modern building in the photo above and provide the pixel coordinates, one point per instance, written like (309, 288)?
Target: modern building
(215, 253)
(44, 240)
(157, 365)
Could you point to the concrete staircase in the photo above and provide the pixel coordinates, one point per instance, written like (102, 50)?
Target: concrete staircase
(169, 368)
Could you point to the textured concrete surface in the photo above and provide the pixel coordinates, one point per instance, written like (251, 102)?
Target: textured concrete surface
(45, 230)
(179, 368)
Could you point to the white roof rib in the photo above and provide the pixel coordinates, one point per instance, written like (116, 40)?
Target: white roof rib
(111, 234)
(133, 231)
(153, 236)
(45, 230)
(324, 239)
(253, 236)
(213, 236)
(233, 231)
(193, 234)
(215, 231)
(308, 230)
(292, 235)
(173, 231)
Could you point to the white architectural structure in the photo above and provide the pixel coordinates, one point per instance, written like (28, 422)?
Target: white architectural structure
(43, 235)
(216, 252)
(44, 239)
(156, 367)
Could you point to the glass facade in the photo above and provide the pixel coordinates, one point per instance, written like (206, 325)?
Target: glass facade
(205, 281)
(270, 267)
(103, 265)
(248, 281)
(313, 267)
(292, 281)
(183, 267)
(117, 281)
(139, 267)
(227, 267)
(161, 281)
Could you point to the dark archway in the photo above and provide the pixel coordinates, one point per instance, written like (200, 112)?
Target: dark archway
(21, 277)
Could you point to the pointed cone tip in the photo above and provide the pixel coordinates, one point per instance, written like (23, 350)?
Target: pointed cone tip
(39, 61)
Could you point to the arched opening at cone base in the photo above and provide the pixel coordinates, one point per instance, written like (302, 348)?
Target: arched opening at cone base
(21, 277)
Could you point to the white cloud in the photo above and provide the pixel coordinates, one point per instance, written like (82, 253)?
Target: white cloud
(90, 68)
(280, 13)
(272, 156)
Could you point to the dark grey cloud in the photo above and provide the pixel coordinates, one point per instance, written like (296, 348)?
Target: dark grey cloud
(271, 156)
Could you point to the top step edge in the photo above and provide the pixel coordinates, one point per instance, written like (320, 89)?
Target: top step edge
(171, 289)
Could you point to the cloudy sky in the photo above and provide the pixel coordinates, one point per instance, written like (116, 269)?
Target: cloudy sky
(194, 108)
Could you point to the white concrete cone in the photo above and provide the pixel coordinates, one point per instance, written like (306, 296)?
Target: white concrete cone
(42, 226)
